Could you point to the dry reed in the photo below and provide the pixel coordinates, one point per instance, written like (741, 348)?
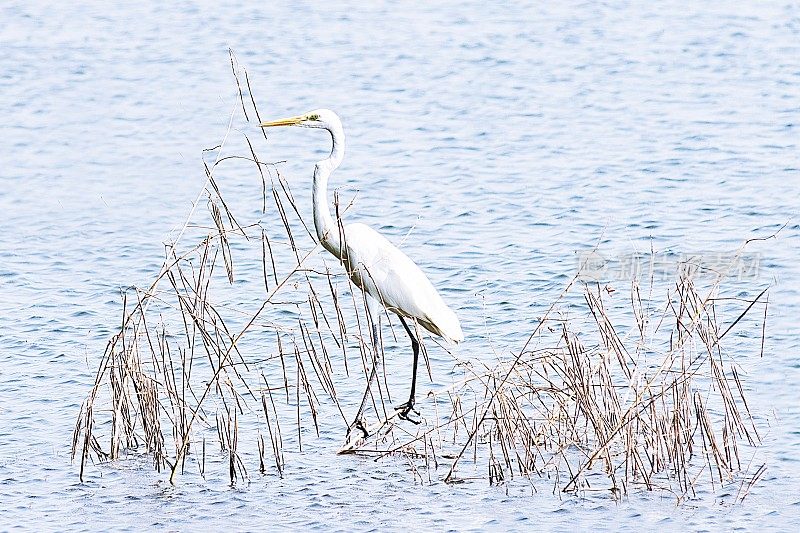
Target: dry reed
(660, 406)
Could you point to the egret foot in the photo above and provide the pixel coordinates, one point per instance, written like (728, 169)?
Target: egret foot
(403, 411)
(354, 439)
(358, 423)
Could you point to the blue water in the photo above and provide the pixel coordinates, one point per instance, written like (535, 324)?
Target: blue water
(506, 139)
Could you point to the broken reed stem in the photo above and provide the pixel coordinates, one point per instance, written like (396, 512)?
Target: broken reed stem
(657, 405)
(662, 419)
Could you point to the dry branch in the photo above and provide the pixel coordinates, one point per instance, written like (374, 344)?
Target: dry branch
(653, 400)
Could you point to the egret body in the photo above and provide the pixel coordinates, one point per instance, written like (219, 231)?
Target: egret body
(388, 276)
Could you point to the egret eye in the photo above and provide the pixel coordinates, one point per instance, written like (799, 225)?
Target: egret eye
(313, 117)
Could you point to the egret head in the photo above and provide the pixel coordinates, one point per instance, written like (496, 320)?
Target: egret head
(319, 118)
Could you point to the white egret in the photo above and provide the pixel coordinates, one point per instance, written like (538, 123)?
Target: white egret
(388, 276)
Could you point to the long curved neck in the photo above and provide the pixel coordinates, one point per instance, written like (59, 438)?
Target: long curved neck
(327, 229)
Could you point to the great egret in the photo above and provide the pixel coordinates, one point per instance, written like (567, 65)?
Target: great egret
(387, 275)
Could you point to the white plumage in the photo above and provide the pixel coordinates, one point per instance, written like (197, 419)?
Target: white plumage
(373, 263)
(391, 277)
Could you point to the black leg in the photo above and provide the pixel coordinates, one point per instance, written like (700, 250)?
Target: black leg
(358, 423)
(408, 407)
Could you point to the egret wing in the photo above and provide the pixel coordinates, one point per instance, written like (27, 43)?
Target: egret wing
(387, 274)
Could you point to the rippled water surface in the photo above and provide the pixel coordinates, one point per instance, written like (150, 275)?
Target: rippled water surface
(507, 139)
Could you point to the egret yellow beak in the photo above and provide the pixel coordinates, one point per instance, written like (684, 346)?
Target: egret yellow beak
(292, 121)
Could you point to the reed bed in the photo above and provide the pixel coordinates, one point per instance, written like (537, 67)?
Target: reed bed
(199, 377)
(660, 407)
